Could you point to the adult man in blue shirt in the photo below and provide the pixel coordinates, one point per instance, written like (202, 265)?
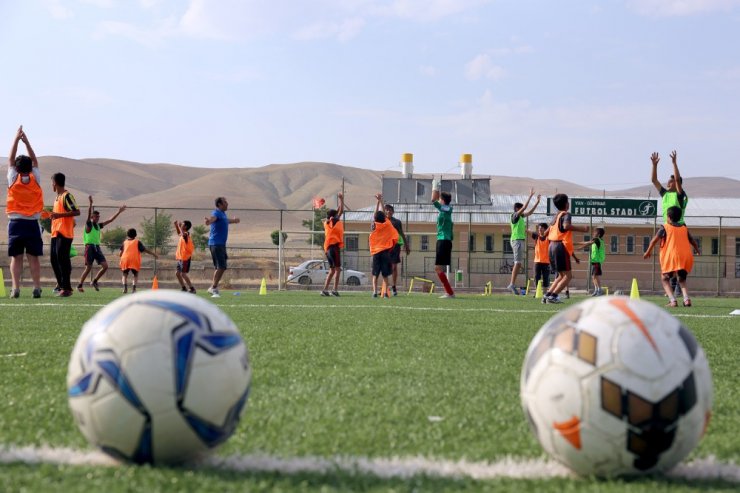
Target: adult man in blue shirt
(219, 223)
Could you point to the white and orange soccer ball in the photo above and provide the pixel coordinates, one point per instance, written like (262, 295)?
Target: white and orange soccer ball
(158, 377)
(616, 386)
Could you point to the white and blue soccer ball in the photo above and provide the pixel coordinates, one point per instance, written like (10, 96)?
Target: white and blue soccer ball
(158, 377)
(615, 386)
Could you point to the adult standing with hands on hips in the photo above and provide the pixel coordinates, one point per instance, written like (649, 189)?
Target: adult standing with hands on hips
(219, 224)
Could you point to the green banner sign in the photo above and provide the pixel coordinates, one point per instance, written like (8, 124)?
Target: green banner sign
(595, 207)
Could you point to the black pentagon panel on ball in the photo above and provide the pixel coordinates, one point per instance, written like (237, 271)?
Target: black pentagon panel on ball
(689, 341)
(687, 394)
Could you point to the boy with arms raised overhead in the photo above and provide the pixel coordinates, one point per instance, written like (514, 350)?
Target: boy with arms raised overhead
(518, 239)
(183, 254)
(91, 238)
(561, 247)
(333, 243)
(402, 242)
(671, 195)
(24, 205)
(383, 237)
(443, 258)
(676, 258)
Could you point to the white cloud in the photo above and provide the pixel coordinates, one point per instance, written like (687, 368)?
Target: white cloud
(144, 36)
(425, 10)
(57, 10)
(667, 8)
(428, 70)
(481, 67)
(343, 31)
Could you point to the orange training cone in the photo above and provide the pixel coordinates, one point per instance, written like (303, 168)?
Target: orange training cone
(155, 283)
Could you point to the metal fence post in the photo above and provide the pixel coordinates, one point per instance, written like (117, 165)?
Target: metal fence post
(719, 253)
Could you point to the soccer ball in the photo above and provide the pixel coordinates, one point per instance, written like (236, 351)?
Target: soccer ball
(615, 386)
(158, 377)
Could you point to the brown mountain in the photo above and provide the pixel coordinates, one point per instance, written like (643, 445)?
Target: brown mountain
(283, 186)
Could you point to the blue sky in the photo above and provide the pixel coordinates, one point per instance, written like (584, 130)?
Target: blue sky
(578, 90)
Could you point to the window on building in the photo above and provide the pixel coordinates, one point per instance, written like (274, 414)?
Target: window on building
(351, 243)
(507, 244)
(424, 243)
(630, 248)
(646, 243)
(715, 246)
(614, 244)
(489, 243)
(737, 247)
(585, 239)
(471, 244)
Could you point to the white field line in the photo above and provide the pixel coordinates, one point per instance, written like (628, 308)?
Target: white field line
(706, 469)
(374, 306)
(13, 355)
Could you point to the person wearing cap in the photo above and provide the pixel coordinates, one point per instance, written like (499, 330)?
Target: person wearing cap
(91, 238)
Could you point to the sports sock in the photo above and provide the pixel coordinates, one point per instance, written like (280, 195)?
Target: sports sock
(443, 277)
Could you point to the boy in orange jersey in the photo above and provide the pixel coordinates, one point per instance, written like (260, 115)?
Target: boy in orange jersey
(561, 247)
(541, 256)
(333, 243)
(62, 233)
(183, 254)
(383, 237)
(130, 254)
(676, 258)
(24, 206)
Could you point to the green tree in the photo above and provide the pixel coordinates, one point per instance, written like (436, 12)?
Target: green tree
(46, 223)
(113, 238)
(316, 225)
(275, 235)
(157, 234)
(199, 234)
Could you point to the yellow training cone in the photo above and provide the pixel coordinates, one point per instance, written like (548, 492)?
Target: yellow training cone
(155, 283)
(263, 287)
(634, 293)
(538, 292)
(2, 285)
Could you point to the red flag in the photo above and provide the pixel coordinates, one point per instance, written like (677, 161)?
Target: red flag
(318, 202)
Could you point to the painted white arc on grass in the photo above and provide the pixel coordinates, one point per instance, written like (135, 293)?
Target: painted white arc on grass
(707, 469)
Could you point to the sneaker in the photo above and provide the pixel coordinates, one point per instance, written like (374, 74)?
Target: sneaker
(325, 293)
(386, 295)
(191, 289)
(567, 295)
(80, 288)
(37, 292)
(513, 289)
(124, 290)
(395, 293)
(687, 302)
(554, 300)
(65, 293)
(15, 293)
(95, 285)
(214, 292)
(672, 304)
(56, 290)
(595, 293)
(447, 295)
(544, 300)
(133, 288)
(375, 295)
(335, 293)
(183, 288)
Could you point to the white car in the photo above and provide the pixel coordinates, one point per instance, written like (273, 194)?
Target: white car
(315, 271)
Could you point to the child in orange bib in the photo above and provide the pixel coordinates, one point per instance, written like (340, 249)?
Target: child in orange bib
(676, 257)
(130, 254)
